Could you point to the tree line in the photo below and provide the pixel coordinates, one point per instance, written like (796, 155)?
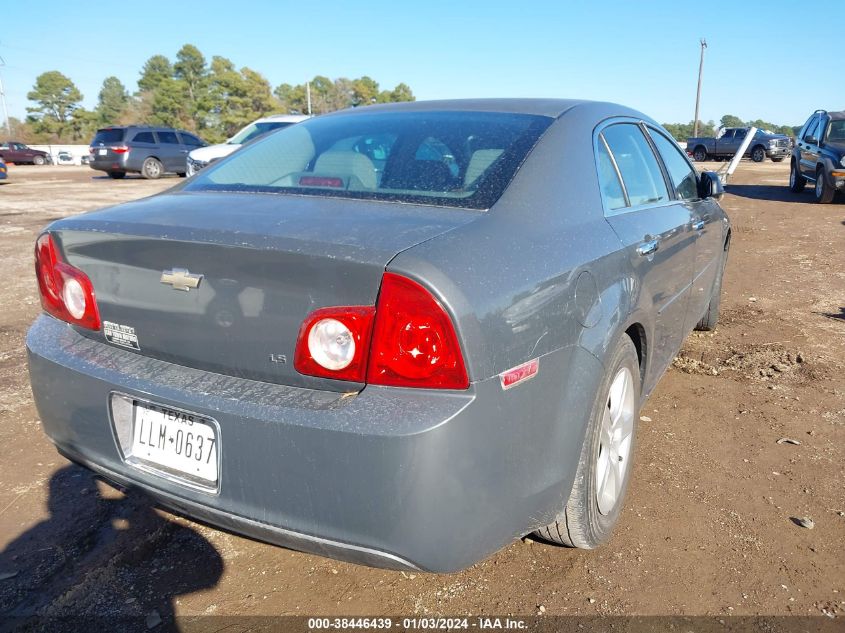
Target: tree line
(683, 131)
(213, 99)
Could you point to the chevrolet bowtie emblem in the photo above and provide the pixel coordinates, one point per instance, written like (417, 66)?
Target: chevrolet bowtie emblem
(181, 279)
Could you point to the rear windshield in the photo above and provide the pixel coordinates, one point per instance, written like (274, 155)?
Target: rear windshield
(113, 135)
(458, 159)
(254, 130)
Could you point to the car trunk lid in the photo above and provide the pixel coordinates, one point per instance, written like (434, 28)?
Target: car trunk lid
(223, 282)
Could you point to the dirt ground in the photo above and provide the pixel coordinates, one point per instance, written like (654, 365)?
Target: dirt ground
(709, 526)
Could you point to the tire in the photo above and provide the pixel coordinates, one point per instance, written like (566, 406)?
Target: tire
(38, 160)
(824, 194)
(778, 159)
(152, 169)
(592, 509)
(758, 154)
(710, 319)
(700, 154)
(117, 175)
(797, 182)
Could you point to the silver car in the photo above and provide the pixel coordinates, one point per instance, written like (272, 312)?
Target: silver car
(400, 335)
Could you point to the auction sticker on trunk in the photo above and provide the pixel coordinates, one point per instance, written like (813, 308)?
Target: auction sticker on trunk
(123, 335)
(177, 443)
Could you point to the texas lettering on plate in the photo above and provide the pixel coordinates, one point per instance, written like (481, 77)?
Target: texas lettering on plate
(176, 440)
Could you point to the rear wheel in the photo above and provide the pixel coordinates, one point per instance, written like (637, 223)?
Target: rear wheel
(117, 175)
(824, 194)
(606, 457)
(797, 182)
(37, 160)
(700, 154)
(152, 168)
(758, 154)
(710, 319)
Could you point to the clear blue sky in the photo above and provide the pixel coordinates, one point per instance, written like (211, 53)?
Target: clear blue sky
(643, 54)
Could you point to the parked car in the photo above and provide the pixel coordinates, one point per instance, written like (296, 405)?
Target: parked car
(4, 171)
(149, 151)
(202, 156)
(64, 158)
(819, 156)
(20, 154)
(406, 366)
(775, 146)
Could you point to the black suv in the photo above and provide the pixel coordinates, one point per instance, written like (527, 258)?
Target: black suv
(149, 151)
(819, 155)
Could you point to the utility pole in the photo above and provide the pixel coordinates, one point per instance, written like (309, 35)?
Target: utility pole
(703, 43)
(3, 100)
(308, 95)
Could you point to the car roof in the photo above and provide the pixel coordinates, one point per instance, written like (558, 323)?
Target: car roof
(141, 127)
(837, 116)
(285, 118)
(542, 107)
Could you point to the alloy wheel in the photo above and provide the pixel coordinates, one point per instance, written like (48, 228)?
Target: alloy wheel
(615, 441)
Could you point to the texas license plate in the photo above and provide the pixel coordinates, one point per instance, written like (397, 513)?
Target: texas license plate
(102, 152)
(177, 443)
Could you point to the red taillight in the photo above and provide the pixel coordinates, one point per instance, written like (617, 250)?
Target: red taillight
(334, 343)
(120, 149)
(414, 341)
(66, 292)
(92, 150)
(407, 340)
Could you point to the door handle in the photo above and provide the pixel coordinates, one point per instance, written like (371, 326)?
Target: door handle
(648, 248)
(698, 226)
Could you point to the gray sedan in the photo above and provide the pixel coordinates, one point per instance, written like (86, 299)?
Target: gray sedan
(401, 335)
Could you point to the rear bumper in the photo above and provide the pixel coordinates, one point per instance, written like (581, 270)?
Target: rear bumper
(113, 163)
(399, 478)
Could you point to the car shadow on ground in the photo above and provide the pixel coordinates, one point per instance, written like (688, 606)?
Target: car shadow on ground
(776, 193)
(840, 316)
(136, 177)
(770, 192)
(103, 559)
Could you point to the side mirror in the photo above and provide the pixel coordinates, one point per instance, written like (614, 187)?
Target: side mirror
(812, 140)
(710, 186)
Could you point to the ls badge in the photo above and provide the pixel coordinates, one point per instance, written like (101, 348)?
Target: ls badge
(181, 279)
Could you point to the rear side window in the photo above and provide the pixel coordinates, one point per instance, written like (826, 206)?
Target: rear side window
(144, 137)
(168, 137)
(112, 135)
(637, 164)
(611, 188)
(811, 128)
(680, 171)
(190, 139)
(459, 159)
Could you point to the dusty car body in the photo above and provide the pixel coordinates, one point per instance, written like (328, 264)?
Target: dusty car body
(406, 334)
